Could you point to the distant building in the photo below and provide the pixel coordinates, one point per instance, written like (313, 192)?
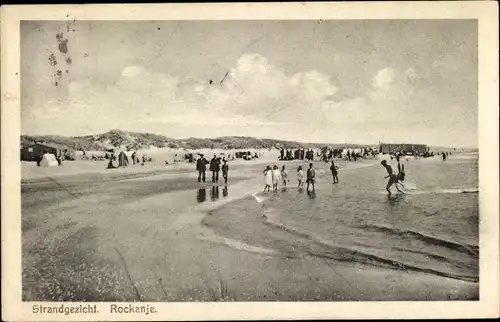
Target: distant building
(388, 148)
(35, 151)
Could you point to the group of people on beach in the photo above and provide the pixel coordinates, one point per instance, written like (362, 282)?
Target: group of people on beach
(215, 168)
(326, 154)
(445, 155)
(275, 177)
(297, 154)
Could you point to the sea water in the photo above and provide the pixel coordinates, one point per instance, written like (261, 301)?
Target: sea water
(433, 228)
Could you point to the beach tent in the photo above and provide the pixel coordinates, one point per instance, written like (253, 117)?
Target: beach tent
(122, 160)
(49, 160)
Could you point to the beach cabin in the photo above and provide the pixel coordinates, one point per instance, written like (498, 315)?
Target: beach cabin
(409, 148)
(420, 148)
(36, 151)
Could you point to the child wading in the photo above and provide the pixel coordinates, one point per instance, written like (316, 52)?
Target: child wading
(401, 171)
(225, 171)
(268, 174)
(393, 179)
(276, 178)
(334, 169)
(284, 176)
(300, 177)
(311, 176)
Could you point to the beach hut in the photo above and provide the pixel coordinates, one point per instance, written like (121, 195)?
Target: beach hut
(36, 151)
(387, 148)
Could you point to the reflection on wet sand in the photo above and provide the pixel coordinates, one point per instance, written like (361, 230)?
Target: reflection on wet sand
(311, 194)
(214, 193)
(201, 194)
(395, 200)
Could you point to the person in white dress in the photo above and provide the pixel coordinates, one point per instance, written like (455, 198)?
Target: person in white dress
(300, 177)
(284, 176)
(276, 178)
(268, 175)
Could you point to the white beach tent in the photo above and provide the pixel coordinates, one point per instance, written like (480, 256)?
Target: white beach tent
(49, 160)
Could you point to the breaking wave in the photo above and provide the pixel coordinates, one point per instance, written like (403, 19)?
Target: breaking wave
(333, 251)
(461, 247)
(437, 191)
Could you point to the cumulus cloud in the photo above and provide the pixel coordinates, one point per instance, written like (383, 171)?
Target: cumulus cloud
(256, 98)
(384, 86)
(254, 93)
(384, 79)
(256, 88)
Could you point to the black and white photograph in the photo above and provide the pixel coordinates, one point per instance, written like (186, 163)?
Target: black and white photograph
(250, 160)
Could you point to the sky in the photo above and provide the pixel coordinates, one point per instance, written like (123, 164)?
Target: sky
(335, 81)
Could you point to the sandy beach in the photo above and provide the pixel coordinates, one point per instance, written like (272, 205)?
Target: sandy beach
(156, 234)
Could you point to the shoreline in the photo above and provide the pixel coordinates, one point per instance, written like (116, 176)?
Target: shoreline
(98, 168)
(346, 272)
(164, 240)
(267, 219)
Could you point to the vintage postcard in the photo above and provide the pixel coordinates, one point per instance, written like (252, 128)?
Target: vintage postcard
(250, 161)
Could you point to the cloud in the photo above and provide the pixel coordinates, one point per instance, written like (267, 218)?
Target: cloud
(254, 94)
(384, 79)
(255, 87)
(438, 63)
(256, 98)
(132, 71)
(412, 74)
(385, 86)
(416, 76)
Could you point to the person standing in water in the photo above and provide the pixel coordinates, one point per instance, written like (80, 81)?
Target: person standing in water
(201, 166)
(225, 171)
(334, 169)
(268, 174)
(300, 177)
(401, 171)
(214, 167)
(311, 176)
(284, 176)
(444, 156)
(393, 179)
(276, 178)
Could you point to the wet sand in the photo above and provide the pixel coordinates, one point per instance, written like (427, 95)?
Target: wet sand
(151, 237)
